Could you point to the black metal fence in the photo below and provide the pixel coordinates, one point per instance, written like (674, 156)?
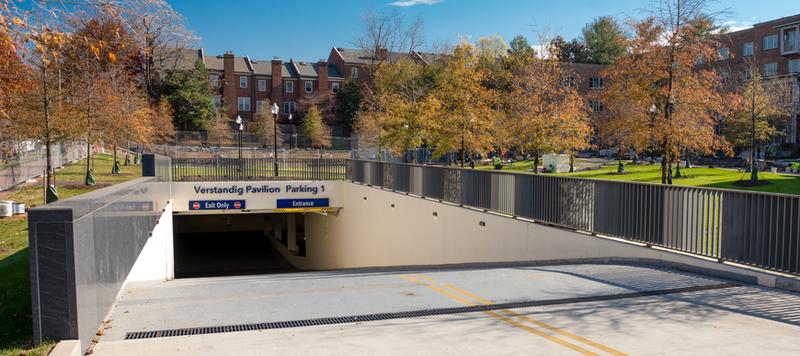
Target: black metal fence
(224, 169)
(757, 229)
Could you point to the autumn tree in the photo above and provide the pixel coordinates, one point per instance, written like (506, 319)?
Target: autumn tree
(315, 130)
(219, 130)
(465, 121)
(543, 113)
(658, 71)
(763, 109)
(264, 128)
(399, 107)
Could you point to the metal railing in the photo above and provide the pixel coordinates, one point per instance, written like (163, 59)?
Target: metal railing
(225, 169)
(757, 229)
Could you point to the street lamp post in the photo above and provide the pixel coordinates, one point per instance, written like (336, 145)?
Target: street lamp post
(241, 128)
(275, 138)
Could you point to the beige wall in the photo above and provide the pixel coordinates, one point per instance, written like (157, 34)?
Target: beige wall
(372, 233)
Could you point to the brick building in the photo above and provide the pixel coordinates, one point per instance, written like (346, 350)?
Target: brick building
(772, 47)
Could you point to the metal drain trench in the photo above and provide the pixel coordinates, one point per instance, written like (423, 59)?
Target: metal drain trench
(409, 314)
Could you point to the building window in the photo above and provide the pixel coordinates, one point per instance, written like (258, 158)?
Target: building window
(214, 80)
(335, 87)
(725, 76)
(288, 107)
(218, 101)
(794, 66)
(354, 72)
(290, 87)
(309, 86)
(745, 75)
(770, 69)
(699, 60)
(789, 43)
(260, 105)
(262, 85)
(597, 106)
(747, 49)
(724, 53)
(596, 83)
(244, 103)
(568, 81)
(770, 42)
(242, 82)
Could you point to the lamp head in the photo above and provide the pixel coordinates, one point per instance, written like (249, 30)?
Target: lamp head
(238, 119)
(274, 108)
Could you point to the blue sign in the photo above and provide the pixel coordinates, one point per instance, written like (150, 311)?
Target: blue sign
(302, 203)
(216, 204)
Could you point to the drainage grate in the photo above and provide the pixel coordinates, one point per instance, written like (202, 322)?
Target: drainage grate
(409, 314)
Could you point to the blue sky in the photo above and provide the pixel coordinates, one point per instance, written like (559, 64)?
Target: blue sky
(307, 29)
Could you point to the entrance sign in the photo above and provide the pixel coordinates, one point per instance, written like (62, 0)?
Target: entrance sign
(303, 203)
(216, 204)
(266, 196)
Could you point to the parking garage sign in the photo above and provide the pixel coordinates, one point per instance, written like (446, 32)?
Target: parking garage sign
(216, 204)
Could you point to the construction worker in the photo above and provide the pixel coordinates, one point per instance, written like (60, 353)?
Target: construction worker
(498, 164)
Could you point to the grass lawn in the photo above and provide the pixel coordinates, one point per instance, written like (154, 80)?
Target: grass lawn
(698, 177)
(15, 303)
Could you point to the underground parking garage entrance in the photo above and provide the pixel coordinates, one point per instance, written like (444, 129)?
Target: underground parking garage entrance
(211, 245)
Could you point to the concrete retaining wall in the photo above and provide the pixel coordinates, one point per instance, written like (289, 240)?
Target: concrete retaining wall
(380, 228)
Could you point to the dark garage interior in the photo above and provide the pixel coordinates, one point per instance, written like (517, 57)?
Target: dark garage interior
(227, 245)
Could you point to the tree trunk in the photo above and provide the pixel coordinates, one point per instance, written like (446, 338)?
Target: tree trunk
(48, 176)
(536, 161)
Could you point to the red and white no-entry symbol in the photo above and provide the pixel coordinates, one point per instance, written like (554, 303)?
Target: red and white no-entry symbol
(196, 205)
(237, 205)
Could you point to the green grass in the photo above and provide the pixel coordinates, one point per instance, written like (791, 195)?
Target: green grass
(15, 303)
(697, 177)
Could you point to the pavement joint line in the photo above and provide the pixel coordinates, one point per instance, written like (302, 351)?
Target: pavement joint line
(149, 334)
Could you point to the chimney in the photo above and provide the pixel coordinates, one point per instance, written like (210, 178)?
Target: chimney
(382, 54)
(229, 84)
(322, 75)
(277, 81)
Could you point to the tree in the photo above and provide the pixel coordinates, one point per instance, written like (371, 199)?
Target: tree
(574, 51)
(161, 37)
(387, 32)
(520, 47)
(399, 106)
(465, 121)
(189, 94)
(543, 114)
(659, 71)
(219, 130)
(604, 40)
(315, 130)
(264, 127)
(161, 121)
(346, 105)
(762, 109)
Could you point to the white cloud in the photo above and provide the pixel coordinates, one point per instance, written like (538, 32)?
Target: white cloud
(407, 3)
(734, 26)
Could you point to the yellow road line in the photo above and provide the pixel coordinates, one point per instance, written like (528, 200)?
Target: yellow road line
(541, 323)
(501, 317)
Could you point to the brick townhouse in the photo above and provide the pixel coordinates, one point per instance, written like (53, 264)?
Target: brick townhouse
(771, 47)
(244, 86)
